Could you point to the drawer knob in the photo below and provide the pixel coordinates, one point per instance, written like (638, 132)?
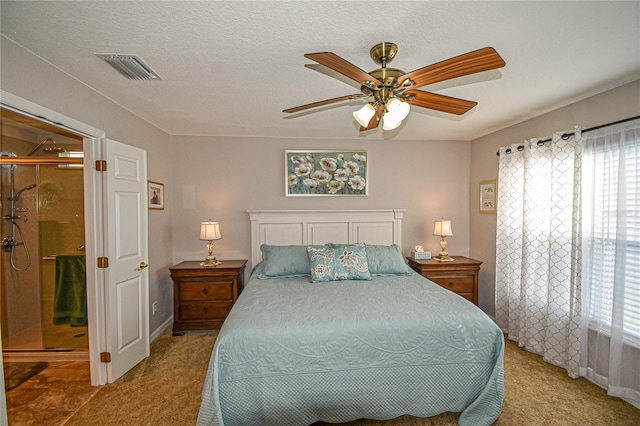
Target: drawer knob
(205, 290)
(450, 284)
(205, 309)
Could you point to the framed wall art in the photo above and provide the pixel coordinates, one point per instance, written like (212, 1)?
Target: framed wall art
(488, 196)
(309, 173)
(155, 193)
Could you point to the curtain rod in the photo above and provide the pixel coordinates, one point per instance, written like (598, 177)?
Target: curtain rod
(566, 136)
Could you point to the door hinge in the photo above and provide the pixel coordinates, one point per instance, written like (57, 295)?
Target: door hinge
(105, 356)
(103, 262)
(101, 165)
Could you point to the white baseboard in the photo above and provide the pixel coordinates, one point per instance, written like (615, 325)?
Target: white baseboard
(158, 331)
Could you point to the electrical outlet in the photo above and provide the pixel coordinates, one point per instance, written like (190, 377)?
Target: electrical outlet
(154, 307)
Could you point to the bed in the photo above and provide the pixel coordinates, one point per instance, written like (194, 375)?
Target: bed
(379, 342)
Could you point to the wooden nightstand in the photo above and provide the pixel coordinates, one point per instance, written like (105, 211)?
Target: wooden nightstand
(203, 295)
(459, 276)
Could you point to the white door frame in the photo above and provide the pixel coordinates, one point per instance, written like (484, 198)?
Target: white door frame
(93, 208)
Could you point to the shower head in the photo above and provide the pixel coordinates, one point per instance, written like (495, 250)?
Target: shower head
(48, 150)
(16, 197)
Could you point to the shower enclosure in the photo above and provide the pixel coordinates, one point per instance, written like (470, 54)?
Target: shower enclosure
(42, 279)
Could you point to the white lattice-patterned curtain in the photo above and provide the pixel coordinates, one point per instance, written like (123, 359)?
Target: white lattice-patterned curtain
(538, 247)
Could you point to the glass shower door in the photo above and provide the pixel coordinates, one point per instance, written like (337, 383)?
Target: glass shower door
(62, 261)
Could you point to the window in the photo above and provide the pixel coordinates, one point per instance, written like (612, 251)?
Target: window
(611, 193)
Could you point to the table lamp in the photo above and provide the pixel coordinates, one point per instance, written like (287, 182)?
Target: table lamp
(210, 231)
(443, 229)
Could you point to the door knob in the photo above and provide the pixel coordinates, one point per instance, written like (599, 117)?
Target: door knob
(141, 266)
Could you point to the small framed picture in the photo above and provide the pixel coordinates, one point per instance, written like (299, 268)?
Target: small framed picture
(488, 196)
(156, 195)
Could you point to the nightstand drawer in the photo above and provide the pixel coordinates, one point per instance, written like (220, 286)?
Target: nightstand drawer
(204, 310)
(468, 296)
(206, 291)
(455, 284)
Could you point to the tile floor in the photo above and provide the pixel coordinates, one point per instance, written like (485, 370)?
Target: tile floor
(52, 396)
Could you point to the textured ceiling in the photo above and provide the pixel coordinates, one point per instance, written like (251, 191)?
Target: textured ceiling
(230, 67)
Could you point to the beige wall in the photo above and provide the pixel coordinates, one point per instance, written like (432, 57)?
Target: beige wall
(613, 105)
(221, 178)
(27, 76)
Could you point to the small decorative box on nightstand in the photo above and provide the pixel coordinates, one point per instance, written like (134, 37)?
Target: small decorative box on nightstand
(204, 295)
(459, 276)
(421, 255)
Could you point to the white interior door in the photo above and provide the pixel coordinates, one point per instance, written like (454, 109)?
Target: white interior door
(127, 295)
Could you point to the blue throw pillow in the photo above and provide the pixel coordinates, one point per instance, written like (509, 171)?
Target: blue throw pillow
(387, 260)
(345, 262)
(284, 261)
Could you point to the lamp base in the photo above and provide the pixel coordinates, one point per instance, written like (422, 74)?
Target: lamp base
(444, 259)
(210, 261)
(443, 256)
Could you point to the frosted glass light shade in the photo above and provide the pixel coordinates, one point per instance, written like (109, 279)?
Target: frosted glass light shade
(388, 124)
(210, 231)
(397, 110)
(442, 228)
(364, 114)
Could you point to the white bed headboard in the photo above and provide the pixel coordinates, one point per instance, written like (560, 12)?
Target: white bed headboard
(307, 227)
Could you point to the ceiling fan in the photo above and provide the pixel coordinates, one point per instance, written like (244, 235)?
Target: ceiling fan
(393, 90)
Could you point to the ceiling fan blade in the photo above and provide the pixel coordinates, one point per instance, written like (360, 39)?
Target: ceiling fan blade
(440, 102)
(345, 68)
(325, 102)
(468, 63)
(375, 120)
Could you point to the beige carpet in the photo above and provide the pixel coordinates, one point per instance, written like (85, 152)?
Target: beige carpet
(165, 390)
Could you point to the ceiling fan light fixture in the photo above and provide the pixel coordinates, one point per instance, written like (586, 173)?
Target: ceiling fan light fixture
(364, 114)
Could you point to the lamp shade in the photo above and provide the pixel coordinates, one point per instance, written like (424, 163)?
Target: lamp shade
(364, 114)
(210, 231)
(397, 110)
(442, 228)
(389, 124)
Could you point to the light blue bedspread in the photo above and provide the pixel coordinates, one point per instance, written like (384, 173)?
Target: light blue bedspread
(292, 353)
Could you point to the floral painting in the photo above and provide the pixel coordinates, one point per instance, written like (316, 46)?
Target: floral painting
(488, 196)
(326, 173)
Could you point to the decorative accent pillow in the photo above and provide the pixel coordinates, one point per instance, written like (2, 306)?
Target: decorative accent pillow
(387, 260)
(345, 262)
(284, 261)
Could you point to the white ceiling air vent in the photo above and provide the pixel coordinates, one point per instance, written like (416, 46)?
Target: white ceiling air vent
(130, 66)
